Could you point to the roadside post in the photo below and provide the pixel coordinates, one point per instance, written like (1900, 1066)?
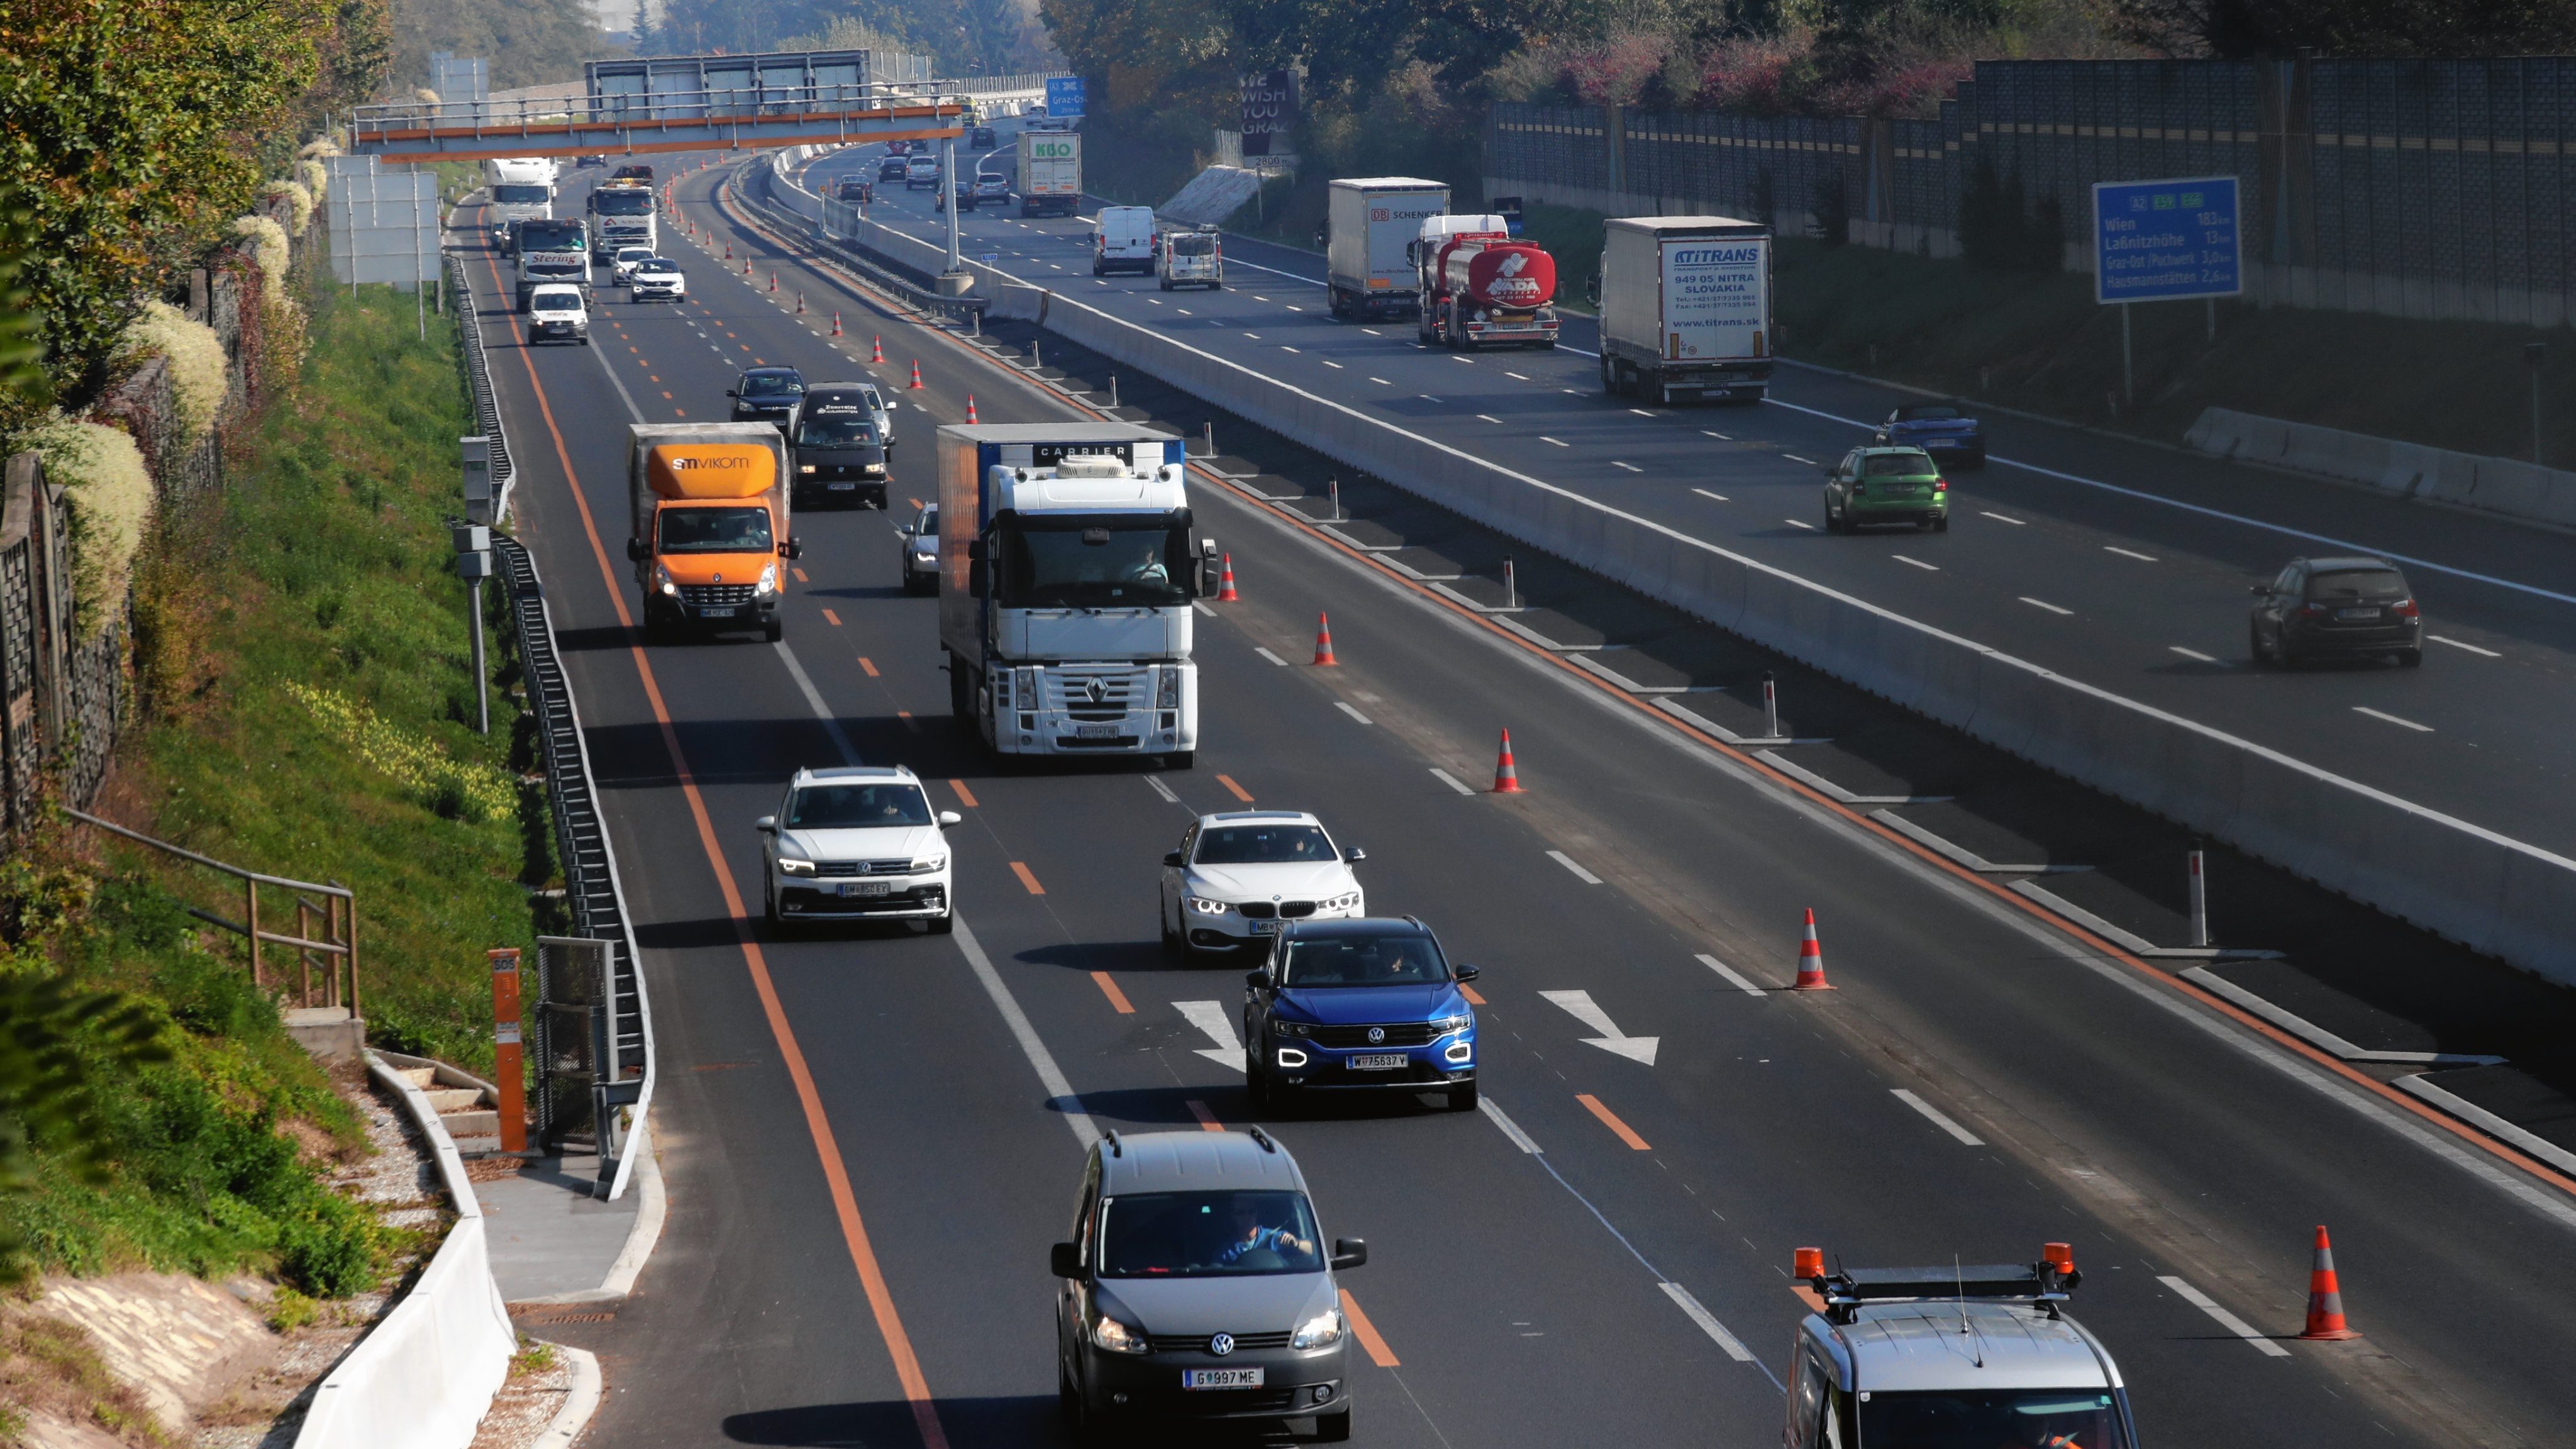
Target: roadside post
(2535, 356)
(2161, 241)
(2199, 899)
(1770, 705)
(509, 1071)
(474, 564)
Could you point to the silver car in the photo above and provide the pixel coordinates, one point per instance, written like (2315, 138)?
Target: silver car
(1196, 1286)
(918, 562)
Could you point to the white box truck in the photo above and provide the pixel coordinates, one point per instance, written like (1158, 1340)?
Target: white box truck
(1050, 173)
(1370, 225)
(1686, 308)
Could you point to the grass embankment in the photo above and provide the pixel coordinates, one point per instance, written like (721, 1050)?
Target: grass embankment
(305, 657)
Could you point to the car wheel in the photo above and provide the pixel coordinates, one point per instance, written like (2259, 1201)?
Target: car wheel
(1171, 937)
(1333, 1428)
(776, 631)
(945, 923)
(768, 899)
(2412, 658)
(1256, 1085)
(1835, 522)
(1941, 524)
(2254, 644)
(2284, 654)
(1462, 1097)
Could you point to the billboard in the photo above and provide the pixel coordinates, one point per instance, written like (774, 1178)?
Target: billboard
(1269, 111)
(1064, 95)
(2156, 241)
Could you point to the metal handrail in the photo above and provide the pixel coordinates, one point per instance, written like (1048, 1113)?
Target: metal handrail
(339, 905)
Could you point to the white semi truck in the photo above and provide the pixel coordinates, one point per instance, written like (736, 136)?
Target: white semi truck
(1686, 309)
(622, 215)
(517, 189)
(551, 251)
(1066, 569)
(1370, 226)
(1050, 181)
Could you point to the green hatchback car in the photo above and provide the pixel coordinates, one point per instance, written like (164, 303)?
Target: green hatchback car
(1887, 485)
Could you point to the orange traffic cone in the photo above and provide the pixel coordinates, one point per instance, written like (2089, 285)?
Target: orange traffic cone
(1811, 960)
(773, 279)
(746, 266)
(728, 251)
(916, 373)
(970, 407)
(876, 347)
(836, 322)
(1225, 593)
(1507, 776)
(1324, 641)
(800, 301)
(2325, 1296)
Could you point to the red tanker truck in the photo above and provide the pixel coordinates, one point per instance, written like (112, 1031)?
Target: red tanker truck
(1481, 285)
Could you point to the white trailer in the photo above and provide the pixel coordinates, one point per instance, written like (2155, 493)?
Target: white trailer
(517, 189)
(1050, 181)
(1686, 308)
(1370, 225)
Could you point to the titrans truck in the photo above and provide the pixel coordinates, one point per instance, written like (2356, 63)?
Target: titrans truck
(1050, 173)
(709, 525)
(621, 215)
(1370, 227)
(1066, 571)
(518, 189)
(1686, 308)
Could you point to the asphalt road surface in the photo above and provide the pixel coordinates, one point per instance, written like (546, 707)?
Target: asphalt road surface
(871, 1138)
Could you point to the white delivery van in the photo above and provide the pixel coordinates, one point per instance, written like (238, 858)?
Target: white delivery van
(1193, 258)
(1122, 240)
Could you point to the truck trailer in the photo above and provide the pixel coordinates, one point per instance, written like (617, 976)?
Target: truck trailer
(1686, 309)
(1066, 570)
(1050, 173)
(708, 525)
(1370, 227)
(1482, 287)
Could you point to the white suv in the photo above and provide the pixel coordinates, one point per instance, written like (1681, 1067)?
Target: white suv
(857, 843)
(1239, 874)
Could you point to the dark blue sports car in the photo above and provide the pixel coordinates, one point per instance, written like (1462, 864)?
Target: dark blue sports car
(1941, 429)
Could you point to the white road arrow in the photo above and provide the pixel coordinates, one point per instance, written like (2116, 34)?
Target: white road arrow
(1579, 1005)
(1210, 1017)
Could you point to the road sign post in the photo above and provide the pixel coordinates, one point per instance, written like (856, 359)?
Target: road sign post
(2158, 241)
(509, 1069)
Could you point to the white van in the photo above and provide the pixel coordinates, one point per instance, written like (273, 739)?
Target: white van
(556, 314)
(1122, 239)
(1191, 258)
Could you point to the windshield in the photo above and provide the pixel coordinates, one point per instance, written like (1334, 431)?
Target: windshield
(1364, 961)
(2358, 584)
(1928, 413)
(1207, 1234)
(549, 236)
(632, 255)
(655, 264)
(1133, 564)
(622, 202)
(846, 428)
(2030, 1419)
(518, 195)
(715, 530)
(1896, 465)
(927, 525)
(769, 384)
(555, 302)
(857, 807)
(1194, 245)
(1264, 845)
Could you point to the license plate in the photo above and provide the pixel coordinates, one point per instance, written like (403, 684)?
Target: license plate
(1225, 1378)
(1264, 928)
(1378, 1062)
(2356, 613)
(866, 887)
(842, 487)
(1095, 732)
(715, 613)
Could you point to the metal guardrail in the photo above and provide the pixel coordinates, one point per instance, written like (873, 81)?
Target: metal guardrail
(878, 273)
(478, 382)
(337, 947)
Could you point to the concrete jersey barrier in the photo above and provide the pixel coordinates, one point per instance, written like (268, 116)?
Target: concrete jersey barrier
(2457, 879)
(2401, 470)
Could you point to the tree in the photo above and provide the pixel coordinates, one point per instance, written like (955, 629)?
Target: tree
(526, 42)
(2351, 27)
(54, 1041)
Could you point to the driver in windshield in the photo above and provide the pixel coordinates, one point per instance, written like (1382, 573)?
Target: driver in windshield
(1251, 1237)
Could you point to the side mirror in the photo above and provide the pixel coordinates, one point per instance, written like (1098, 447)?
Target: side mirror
(906, 530)
(975, 552)
(1323, 235)
(1255, 980)
(729, 392)
(951, 817)
(1064, 1260)
(1174, 858)
(889, 442)
(891, 405)
(1349, 1253)
(2260, 590)
(766, 825)
(637, 552)
(1464, 972)
(1354, 855)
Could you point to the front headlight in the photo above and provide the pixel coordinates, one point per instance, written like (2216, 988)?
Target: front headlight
(929, 863)
(1167, 694)
(789, 866)
(1321, 1331)
(768, 581)
(1347, 901)
(804, 467)
(663, 581)
(1291, 1028)
(1116, 1337)
(1448, 1024)
(1206, 907)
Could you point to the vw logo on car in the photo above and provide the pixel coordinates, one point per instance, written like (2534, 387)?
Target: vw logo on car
(1377, 1035)
(1221, 1345)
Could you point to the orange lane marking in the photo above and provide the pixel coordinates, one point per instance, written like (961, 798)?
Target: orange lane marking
(915, 502)
(1378, 1352)
(666, 397)
(909, 722)
(1108, 988)
(1611, 1120)
(1469, 992)
(653, 378)
(867, 668)
(1207, 1119)
(836, 621)
(800, 575)
(963, 793)
(836, 1173)
(1027, 879)
(1239, 792)
(683, 412)
(639, 362)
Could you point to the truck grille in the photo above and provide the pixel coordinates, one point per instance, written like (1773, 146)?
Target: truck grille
(699, 596)
(1398, 1034)
(1073, 691)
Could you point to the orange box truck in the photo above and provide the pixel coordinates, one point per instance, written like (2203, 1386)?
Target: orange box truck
(710, 531)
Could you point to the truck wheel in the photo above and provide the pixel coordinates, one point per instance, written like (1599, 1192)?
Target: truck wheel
(1181, 760)
(1609, 380)
(776, 631)
(961, 693)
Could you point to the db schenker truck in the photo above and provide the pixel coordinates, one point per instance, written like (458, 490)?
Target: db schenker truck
(1370, 227)
(1050, 181)
(1066, 571)
(1481, 286)
(1686, 308)
(709, 526)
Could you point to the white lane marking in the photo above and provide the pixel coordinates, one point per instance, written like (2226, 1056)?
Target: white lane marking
(1201, 606)
(1210, 1017)
(1050, 1076)
(2129, 553)
(1266, 654)
(814, 701)
(1794, 458)
(2226, 1320)
(1382, 382)
(2044, 604)
(1631, 467)
(1274, 271)
(1733, 978)
(2456, 644)
(1999, 518)
(2193, 654)
(1373, 332)
(2421, 729)
(1720, 497)
(1445, 778)
(1510, 1128)
(1560, 442)
(1293, 307)
(1328, 362)
(1184, 311)
(1255, 336)
(1938, 1117)
(1159, 788)
(1581, 1006)
(1706, 1320)
(1426, 397)
(1516, 377)
(1793, 523)
(1355, 714)
(1284, 347)
(1569, 862)
(2219, 513)
(1641, 412)
(1467, 360)
(1260, 299)
(1721, 437)
(1918, 563)
(1490, 418)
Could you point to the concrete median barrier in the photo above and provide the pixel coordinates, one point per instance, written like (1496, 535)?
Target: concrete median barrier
(2405, 470)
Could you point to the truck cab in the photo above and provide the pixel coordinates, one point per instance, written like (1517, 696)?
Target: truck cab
(1978, 1354)
(1067, 567)
(549, 252)
(1122, 239)
(621, 215)
(1193, 258)
(709, 526)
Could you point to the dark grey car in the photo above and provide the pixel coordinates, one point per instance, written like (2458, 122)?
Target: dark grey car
(1197, 1287)
(2336, 608)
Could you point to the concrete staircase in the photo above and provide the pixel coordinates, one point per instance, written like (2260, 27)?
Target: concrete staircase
(467, 1105)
